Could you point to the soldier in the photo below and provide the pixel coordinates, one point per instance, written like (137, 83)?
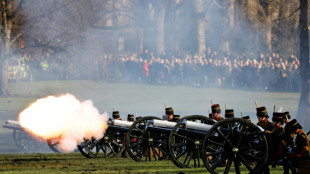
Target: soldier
(115, 115)
(275, 139)
(262, 116)
(302, 147)
(247, 118)
(229, 113)
(169, 113)
(216, 112)
(175, 118)
(130, 118)
(289, 134)
(300, 151)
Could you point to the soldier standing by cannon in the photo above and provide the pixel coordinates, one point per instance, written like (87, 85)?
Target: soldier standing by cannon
(275, 139)
(262, 116)
(229, 113)
(169, 113)
(216, 112)
(300, 151)
(289, 134)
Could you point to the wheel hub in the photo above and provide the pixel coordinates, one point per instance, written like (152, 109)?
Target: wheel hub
(235, 150)
(197, 143)
(150, 140)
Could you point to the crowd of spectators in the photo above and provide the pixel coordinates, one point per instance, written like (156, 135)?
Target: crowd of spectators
(263, 72)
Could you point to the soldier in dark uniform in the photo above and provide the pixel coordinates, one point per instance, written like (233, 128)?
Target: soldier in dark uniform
(262, 116)
(302, 147)
(115, 115)
(275, 139)
(300, 151)
(175, 118)
(130, 118)
(229, 113)
(216, 112)
(289, 134)
(247, 118)
(169, 113)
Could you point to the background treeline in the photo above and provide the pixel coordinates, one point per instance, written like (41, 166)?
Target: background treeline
(73, 32)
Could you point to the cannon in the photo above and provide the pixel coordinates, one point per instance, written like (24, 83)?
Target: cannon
(26, 142)
(220, 145)
(112, 144)
(146, 141)
(196, 139)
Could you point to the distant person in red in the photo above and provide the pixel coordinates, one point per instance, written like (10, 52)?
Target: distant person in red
(146, 68)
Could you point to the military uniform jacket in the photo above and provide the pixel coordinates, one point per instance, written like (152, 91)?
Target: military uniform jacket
(302, 143)
(266, 125)
(275, 139)
(288, 135)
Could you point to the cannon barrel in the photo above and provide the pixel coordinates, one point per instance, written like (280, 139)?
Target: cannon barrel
(163, 123)
(12, 124)
(121, 123)
(197, 126)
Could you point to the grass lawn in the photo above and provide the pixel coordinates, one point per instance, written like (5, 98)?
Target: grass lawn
(76, 163)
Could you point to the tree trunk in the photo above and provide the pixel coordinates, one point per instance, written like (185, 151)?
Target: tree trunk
(7, 25)
(161, 30)
(201, 28)
(304, 106)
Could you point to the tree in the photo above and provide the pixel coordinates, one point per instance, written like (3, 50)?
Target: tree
(9, 34)
(304, 102)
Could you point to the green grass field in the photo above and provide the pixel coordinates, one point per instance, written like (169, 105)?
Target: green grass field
(139, 99)
(76, 163)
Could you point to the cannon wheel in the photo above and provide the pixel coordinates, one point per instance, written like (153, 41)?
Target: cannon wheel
(16, 133)
(85, 146)
(29, 143)
(235, 141)
(144, 145)
(184, 150)
(111, 145)
(53, 144)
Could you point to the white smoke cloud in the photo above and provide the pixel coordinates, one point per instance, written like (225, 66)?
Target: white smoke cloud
(64, 117)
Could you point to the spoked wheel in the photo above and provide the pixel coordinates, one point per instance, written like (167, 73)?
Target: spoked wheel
(53, 144)
(85, 146)
(234, 142)
(184, 144)
(16, 139)
(145, 145)
(111, 145)
(28, 143)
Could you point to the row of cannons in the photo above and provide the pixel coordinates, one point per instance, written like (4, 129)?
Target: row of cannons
(229, 145)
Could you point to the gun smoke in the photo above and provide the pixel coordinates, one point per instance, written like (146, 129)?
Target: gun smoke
(64, 117)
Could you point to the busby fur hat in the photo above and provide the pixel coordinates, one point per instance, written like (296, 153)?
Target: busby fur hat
(262, 112)
(175, 117)
(278, 117)
(130, 117)
(229, 113)
(247, 118)
(169, 111)
(295, 125)
(216, 108)
(115, 114)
